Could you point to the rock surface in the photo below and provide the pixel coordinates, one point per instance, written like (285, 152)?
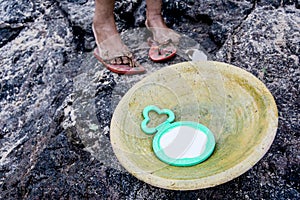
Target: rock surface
(46, 61)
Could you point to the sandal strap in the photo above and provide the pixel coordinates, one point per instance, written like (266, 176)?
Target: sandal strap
(121, 60)
(166, 42)
(161, 45)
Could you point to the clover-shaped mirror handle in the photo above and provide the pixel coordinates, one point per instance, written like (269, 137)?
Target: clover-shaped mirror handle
(145, 128)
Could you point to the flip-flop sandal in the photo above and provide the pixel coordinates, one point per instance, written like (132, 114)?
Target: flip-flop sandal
(119, 65)
(161, 51)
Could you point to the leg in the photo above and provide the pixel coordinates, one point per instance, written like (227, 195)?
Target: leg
(153, 13)
(107, 37)
(156, 24)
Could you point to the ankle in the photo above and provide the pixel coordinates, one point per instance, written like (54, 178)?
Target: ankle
(154, 18)
(100, 25)
(155, 22)
(103, 31)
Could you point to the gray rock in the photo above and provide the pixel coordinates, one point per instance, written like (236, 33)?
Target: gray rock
(16, 12)
(82, 19)
(45, 73)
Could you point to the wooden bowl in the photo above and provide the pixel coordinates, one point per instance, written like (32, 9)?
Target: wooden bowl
(232, 103)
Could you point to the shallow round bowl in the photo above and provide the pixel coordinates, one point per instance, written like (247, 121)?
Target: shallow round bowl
(232, 103)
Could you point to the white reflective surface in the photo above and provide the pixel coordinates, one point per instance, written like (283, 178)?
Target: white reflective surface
(183, 142)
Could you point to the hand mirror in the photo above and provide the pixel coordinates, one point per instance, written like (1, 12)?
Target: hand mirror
(183, 143)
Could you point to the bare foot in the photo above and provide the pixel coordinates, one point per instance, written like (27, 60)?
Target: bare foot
(109, 42)
(161, 32)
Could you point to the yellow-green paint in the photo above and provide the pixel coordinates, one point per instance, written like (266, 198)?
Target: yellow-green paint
(231, 102)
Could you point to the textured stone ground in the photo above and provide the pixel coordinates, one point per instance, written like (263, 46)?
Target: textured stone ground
(48, 70)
